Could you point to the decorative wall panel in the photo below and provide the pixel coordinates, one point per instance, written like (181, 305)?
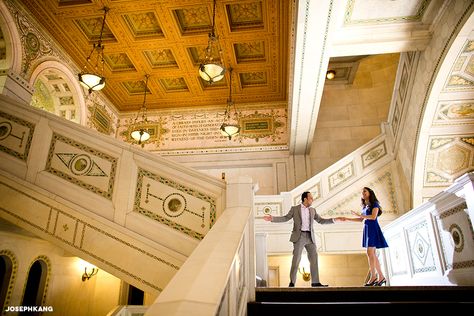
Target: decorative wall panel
(382, 185)
(374, 154)
(341, 176)
(15, 136)
(173, 204)
(269, 208)
(420, 247)
(82, 165)
(457, 238)
(398, 254)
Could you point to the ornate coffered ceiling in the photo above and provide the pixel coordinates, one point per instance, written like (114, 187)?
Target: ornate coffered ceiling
(166, 39)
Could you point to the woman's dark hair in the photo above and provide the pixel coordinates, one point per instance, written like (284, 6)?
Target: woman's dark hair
(372, 200)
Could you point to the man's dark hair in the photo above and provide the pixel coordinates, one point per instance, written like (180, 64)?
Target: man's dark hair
(304, 195)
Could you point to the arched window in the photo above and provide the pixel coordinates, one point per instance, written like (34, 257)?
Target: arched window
(35, 285)
(6, 269)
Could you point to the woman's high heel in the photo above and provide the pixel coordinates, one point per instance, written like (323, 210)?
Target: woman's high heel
(380, 283)
(373, 283)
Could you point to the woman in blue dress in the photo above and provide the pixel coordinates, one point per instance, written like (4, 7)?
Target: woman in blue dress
(372, 236)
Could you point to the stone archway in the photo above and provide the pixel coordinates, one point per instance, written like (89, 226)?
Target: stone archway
(445, 145)
(57, 91)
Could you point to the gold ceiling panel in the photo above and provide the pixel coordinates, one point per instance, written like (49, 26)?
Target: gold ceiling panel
(135, 87)
(119, 62)
(91, 29)
(193, 20)
(143, 25)
(174, 84)
(160, 58)
(250, 52)
(245, 16)
(166, 39)
(250, 79)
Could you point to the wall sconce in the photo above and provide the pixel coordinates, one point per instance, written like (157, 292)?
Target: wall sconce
(330, 74)
(212, 67)
(87, 276)
(138, 130)
(94, 80)
(228, 128)
(306, 275)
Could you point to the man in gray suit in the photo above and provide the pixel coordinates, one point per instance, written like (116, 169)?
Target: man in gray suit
(302, 235)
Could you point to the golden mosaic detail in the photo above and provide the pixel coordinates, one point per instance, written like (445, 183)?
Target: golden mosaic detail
(156, 130)
(100, 119)
(261, 125)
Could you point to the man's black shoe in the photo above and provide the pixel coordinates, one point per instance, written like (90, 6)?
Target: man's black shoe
(318, 285)
(291, 284)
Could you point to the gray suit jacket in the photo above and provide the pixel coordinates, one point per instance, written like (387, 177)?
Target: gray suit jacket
(295, 214)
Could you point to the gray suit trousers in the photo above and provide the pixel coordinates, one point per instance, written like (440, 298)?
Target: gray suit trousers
(305, 241)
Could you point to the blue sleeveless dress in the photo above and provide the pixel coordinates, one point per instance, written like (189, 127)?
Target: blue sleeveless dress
(372, 235)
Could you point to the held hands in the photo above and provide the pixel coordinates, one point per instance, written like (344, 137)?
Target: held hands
(268, 218)
(340, 219)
